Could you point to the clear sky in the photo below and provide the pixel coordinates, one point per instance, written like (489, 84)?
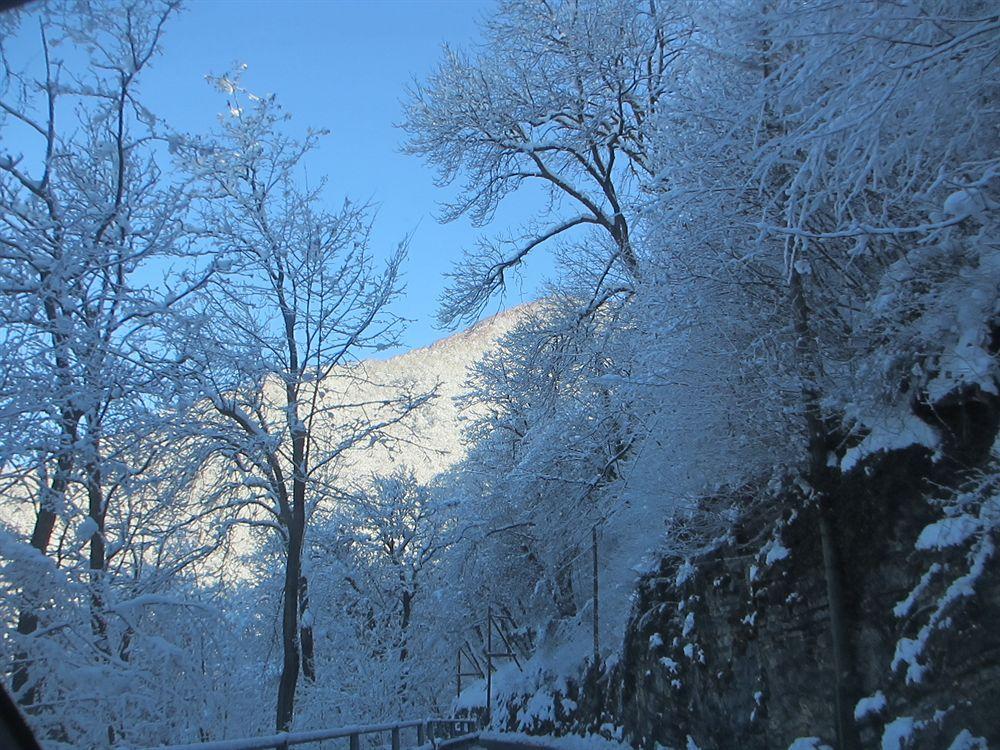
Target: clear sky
(342, 65)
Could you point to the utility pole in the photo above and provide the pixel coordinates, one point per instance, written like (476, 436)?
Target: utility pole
(489, 664)
(597, 621)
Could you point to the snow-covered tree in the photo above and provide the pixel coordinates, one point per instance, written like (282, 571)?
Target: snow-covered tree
(561, 95)
(375, 557)
(296, 298)
(84, 217)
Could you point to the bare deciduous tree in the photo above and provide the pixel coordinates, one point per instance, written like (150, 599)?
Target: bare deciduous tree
(297, 298)
(563, 95)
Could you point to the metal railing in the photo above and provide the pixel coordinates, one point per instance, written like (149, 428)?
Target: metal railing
(426, 730)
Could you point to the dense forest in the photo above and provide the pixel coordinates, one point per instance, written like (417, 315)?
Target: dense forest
(770, 344)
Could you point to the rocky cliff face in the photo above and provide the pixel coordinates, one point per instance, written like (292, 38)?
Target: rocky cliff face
(732, 649)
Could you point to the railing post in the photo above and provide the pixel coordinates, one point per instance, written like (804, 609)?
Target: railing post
(395, 738)
(421, 733)
(355, 742)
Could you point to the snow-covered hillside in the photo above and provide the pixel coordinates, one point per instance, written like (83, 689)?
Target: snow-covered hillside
(431, 440)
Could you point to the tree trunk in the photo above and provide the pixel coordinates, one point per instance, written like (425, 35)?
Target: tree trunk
(27, 620)
(41, 536)
(289, 631)
(820, 480)
(45, 520)
(597, 601)
(407, 603)
(293, 573)
(96, 513)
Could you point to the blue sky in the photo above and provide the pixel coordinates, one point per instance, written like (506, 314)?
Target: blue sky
(341, 65)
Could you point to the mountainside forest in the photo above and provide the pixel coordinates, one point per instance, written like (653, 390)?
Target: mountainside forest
(730, 482)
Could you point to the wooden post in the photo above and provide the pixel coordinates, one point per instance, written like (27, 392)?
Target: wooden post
(395, 738)
(458, 674)
(489, 664)
(597, 631)
(355, 742)
(421, 733)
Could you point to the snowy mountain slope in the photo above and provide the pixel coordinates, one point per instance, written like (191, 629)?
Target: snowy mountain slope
(427, 443)
(431, 440)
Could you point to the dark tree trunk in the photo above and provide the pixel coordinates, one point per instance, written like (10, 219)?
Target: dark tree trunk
(45, 520)
(821, 481)
(27, 620)
(407, 603)
(290, 632)
(41, 537)
(296, 518)
(96, 513)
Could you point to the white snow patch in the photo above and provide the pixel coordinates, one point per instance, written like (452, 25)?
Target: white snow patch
(86, 529)
(775, 551)
(873, 704)
(891, 432)
(688, 624)
(948, 532)
(966, 741)
(908, 650)
(541, 707)
(902, 609)
(965, 203)
(655, 640)
(670, 664)
(967, 359)
(684, 573)
(897, 732)
(808, 743)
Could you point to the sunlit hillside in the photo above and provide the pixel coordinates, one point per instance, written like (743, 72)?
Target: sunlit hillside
(431, 440)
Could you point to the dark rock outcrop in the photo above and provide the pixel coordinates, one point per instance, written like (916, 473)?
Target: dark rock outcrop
(732, 649)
